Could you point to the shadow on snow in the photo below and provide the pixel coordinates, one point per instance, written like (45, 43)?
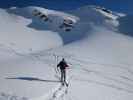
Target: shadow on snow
(31, 79)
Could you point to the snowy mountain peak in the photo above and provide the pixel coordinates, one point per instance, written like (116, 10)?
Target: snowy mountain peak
(34, 9)
(104, 11)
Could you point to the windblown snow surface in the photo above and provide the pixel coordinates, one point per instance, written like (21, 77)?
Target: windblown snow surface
(98, 52)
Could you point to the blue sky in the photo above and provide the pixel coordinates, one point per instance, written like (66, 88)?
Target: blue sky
(125, 6)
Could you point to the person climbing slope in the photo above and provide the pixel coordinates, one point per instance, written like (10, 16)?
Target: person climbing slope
(63, 65)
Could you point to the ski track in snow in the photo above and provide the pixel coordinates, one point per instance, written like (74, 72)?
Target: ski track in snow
(57, 93)
(106, 85)
(116, 86)
(4, 96)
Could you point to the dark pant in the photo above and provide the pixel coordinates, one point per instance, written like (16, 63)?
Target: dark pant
(63, 75)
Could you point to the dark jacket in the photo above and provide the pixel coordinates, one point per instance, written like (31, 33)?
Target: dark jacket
(62, 65)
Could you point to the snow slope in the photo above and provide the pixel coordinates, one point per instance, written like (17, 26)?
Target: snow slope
(99, 54)
(15, 34)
